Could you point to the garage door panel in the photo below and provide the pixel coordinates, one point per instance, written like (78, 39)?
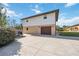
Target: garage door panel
(46, 30)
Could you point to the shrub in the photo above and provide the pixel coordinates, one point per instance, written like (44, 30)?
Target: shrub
(6, 36)
(69, 34)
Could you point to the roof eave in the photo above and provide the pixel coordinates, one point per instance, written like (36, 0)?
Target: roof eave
(57, 13)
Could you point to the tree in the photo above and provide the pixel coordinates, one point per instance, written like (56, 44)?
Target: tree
(65, 28)
(18, 27)
(3, 17)
(58, 28)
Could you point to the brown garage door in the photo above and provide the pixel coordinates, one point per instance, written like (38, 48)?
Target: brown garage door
(46, 30)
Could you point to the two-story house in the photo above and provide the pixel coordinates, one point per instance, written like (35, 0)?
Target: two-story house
(44, 23)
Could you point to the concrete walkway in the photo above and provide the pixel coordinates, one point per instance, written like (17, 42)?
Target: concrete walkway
(42, 46)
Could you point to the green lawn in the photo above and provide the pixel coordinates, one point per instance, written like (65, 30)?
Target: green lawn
(76, 34)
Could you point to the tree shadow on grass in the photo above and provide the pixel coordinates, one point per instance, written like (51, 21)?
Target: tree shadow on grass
(11, 49)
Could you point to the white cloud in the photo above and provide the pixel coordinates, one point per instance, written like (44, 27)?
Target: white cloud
(6, 4)
(71, 21)
(36, 9)
(12, 13)
(70, 4)
(36, 6)
(62, 15)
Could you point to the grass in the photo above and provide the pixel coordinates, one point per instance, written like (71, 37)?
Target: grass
(75, 34)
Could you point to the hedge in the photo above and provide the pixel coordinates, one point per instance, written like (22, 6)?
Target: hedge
(6, 36)
(69, 34)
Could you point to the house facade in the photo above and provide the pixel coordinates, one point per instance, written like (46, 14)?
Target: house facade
(74, 28)
(44, 23)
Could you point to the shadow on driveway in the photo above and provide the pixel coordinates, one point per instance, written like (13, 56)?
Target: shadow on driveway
(67, 37)
(10, 49)
(59, 37)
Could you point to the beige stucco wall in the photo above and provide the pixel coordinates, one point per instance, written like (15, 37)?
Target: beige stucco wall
(31, 30)
(37, 30)
(77, 27)
(40, 21)
(53, 30)
(73, 28)
(34, 24)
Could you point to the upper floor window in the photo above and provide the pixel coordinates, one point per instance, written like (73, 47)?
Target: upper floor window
(45, 17)
(26, 20)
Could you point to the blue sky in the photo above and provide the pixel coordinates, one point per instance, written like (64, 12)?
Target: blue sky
(68, 14)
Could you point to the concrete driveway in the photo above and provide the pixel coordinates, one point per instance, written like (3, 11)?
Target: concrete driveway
(42, 46)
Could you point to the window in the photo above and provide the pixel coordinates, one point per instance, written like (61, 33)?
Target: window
(26, 20)
(45, 17)
(27, 29)
(76, 28)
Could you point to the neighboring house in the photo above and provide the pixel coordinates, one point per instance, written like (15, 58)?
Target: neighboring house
(74, 28)
(44, 23)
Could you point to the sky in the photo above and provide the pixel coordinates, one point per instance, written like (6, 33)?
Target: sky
(68, 12)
